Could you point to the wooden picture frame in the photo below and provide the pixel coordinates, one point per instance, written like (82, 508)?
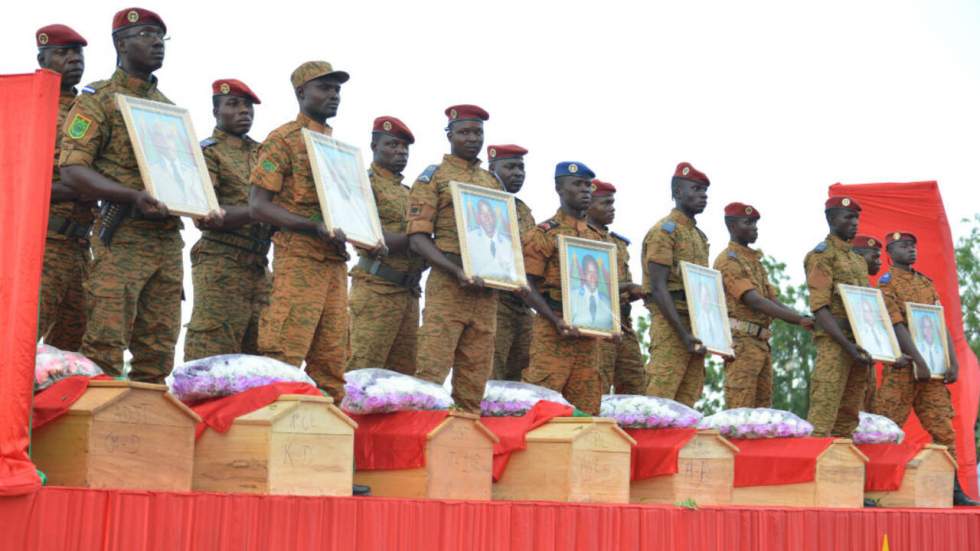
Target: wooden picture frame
(917, 314)
(870, 322)
(575, 282)
(497, 259)
(343, 189)
(707, 308)
(170, 160)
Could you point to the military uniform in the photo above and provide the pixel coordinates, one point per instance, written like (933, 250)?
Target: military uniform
(899, 391)
(837, 385)
(514, 319)
(458, 324)
(229, 267)
(133, 291)
(384, 298)
(748, 378)
(673, 372)
(621, 364)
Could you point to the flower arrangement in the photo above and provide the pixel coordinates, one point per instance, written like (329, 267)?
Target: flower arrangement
(757, 423)
(229, 374)
(52, 365)
(512, 398)
(376, 390)
(648, 412)
(877, 429)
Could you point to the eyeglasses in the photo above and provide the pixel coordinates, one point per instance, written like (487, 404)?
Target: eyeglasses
(149, 35)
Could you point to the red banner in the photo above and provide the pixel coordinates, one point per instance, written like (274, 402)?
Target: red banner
(29, 111)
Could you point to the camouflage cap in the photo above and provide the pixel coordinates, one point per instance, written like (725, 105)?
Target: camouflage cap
(316, 69)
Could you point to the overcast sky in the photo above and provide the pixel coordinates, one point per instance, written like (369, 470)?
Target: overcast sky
(775, 101)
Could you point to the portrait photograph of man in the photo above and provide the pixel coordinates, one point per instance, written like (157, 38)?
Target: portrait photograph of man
(489, 242)
(590, 289)
(929, 338)
(709, 312)
(869, 322)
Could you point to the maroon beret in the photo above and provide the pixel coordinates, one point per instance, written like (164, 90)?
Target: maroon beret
(233, 87)
(865, 242)
(899, 236)
(393, 127)
(842, 203)
(505, 151)
(741, 210)
(600, 188)
(54, 36)
(131, 17)
(457, 113)
(688, 172)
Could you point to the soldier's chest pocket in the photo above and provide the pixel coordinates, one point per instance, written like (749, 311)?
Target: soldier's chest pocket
(392, 209)
(232, 184)
(120, 145)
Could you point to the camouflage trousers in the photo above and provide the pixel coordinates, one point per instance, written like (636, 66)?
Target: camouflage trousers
(621, 365)
(569, 366)
(837, 387)
(133, 296)
(748, 378)
(672, 372)
(307, 316)
(513, 340)
(900, 393)
(384, 326)
(458, 327)
(230, 291)
(61, 319)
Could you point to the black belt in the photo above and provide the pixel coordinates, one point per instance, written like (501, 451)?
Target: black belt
(68, 228)
(678, 295)
(257, 242)
(408, 280)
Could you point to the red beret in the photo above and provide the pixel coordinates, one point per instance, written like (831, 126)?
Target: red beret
(506, 151)
(233, 87)
(466, 112)
(900, 236)
(741, 210)
(842, 203)
(688, 172)
(393, 127)
(131, 17)
(865, 242)
(600, 188)
(53, 36)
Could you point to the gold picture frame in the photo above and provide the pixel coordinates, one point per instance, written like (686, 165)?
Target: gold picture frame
(580, 307)
(170, 160)
(343, 189)
(707, 308)
(870, 322)
(492, 253)
(917, 314)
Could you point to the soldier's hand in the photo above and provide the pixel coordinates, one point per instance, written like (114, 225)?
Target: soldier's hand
(807, 323)
(635, 292)
(920, 372)
(859, 354)
(902, 362)
(463, 280)
(380, 250)
(214, 220)
(694, 345)
(566, 331)
(523, 292)
(953, 373)
(615, 338)
(150, 207)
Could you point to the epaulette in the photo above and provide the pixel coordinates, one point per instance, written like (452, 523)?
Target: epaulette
(94, 87)
(620, 237)
(669, 226)
(821, 247)
(426, 175)
(549, 224)
(922, 274)
(732, 254)
(885, 278)
(208, 142)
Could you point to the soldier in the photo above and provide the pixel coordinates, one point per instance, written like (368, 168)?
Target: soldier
(133, 291)
(837, 385)
(460, 317)
(562, 359)
(307, 314)
(229, 262)
(514, 318)
(384, 295)
(676, 366)
(869, 248)
(620, 364)
(61, 318)
(752, 304)
(902, 388)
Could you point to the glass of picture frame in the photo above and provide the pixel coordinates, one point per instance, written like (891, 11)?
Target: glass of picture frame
(707, 308)
(870, 322)
(589, 285)
(489, 238)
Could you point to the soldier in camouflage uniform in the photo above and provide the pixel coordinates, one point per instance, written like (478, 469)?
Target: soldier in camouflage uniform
(133, 290)
(676, 366)
(837, 385)
(384, 296)
(514, 318)
(620, 364)
(904, 389)
(460, 317)
(752, 303)
(307, 314)
(562, 359)
(61, 319)
(229, 262)
(869, 248)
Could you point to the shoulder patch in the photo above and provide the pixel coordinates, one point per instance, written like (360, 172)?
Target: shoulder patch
(426, 175)
(669, 226)
(620, 237)
(732, 254)
(549, 224)
(208, 142)
(885, 278)
(79, 126)
(269, 166)
(821, 247)
(94, 87)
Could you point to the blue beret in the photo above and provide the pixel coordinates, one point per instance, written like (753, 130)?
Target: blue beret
(573, 168)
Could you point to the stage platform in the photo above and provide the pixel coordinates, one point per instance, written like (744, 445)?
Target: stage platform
(73, 519)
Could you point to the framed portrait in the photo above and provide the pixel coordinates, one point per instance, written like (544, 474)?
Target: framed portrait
(707, 308)
(489, 240)
(928, 329)
(589, 285)
(343, 188)
(870, 321)
(168, 155)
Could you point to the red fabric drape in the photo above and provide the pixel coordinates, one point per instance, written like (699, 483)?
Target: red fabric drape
(511, 431)
(656, 451)
(55, 401)
(393, 440)
(28, 114)
(886, 464)
(918, 207)
(769, 461)
(220, 413)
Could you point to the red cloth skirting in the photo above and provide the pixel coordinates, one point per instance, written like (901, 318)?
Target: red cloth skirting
(104, 520)
(220, 413)
(886, 464)
(769, 461)
(656, 451)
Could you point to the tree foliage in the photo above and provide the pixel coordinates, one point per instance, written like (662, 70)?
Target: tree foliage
(968, 272)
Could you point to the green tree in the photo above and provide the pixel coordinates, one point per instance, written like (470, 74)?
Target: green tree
(968, 272)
